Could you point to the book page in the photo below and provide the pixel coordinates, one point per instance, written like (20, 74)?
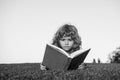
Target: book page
(78, 52)
(59, 49)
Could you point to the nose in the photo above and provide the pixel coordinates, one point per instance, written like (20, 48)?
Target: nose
(66, 42)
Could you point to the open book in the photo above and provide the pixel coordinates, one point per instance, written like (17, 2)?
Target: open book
(56, 58)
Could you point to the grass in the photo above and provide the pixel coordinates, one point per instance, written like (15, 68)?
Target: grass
(31, 71)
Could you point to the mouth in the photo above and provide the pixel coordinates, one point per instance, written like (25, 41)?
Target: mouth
(66, 46)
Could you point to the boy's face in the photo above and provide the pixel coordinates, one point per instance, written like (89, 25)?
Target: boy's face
(66, 43)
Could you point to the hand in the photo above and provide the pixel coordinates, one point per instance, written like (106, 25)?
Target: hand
(82, 66)
(42, 67)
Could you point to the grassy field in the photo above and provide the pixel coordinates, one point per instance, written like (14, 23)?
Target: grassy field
(31, 71)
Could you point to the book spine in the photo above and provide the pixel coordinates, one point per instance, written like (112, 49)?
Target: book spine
(67, 64)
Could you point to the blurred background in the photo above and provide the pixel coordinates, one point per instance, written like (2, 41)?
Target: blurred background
(27, 25)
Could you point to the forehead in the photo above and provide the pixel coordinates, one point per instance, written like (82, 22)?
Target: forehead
(66, 37)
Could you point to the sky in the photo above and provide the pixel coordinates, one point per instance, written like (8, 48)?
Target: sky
(27, 25)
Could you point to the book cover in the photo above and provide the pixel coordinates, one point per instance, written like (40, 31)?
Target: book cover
(57, 59)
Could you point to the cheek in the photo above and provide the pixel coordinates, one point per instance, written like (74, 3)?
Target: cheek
(61, 43)
(72, 43)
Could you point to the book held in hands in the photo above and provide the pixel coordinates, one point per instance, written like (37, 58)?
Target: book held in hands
(56, 58)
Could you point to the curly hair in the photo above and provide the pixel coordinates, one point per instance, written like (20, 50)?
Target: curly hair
(68, 30)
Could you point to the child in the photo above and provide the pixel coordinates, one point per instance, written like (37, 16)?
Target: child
(68, 39)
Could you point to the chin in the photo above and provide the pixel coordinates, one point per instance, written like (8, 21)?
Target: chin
(66, 49)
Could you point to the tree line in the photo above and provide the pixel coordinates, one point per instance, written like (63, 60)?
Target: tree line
(113, 57)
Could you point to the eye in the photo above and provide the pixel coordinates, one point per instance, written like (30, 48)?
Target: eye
(70, 39)
(62, 39)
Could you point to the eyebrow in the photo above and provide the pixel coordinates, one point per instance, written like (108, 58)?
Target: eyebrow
(68, 38)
